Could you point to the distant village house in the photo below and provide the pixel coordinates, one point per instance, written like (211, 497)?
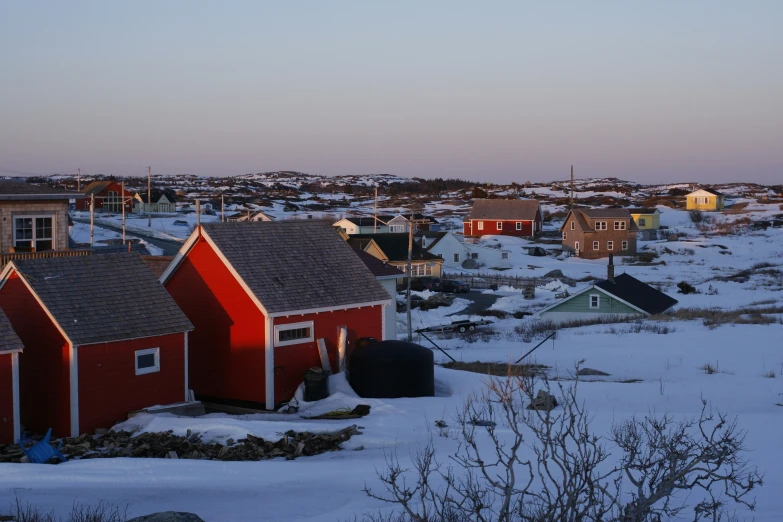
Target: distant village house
(594, 233)
(508, 217)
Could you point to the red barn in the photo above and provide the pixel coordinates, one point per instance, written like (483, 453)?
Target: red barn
(109, 196)
(261, 295)
(506, 217)
(102, 338)
(10, 347)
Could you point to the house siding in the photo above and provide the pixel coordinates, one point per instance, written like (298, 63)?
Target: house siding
(100, 198)
(226, 349)
(108, 385)
(586, 238)
(713, 203)
(580, 305)
(651, 221)
(292, 361)
(44, 373)
(6, 400)
(471, 228)
(9, 209)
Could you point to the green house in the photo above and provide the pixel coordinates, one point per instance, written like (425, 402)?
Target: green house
(623, 295)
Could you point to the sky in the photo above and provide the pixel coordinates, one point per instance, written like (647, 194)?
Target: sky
(490, 91)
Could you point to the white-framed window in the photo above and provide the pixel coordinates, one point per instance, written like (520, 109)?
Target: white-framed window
(34, 232)
(147, 361)
(596, 246)
(294, 333)
(456, 258)
(595, 301)
(576, 246)
(610, 245)
(481, 225)
(619, 225)
(565, 236)
(421, 269)
(600, 225)
(519, 225)
(504, 255)
(499, 225)
(624, 245)
(642, 222)
(396, 228)
(573, 225)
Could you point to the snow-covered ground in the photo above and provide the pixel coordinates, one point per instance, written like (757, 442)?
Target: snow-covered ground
(81, 234)
(665, 370)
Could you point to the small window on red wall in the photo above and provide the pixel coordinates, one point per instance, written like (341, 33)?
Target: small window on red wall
(147, 361)
(500, 225)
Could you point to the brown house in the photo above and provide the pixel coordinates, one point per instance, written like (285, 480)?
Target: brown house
(594, 233)
(33, 218)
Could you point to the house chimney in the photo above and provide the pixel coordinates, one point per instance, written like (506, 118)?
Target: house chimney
(610, 269)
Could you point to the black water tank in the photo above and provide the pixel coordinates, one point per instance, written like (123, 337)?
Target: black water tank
(392, 369)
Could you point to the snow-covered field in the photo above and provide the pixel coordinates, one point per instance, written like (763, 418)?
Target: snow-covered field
(665, 370)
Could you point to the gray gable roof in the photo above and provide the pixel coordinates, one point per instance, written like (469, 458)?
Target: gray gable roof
(9, 341)
(296, 265)
(511, 209)
(18, 190)
(103, 297)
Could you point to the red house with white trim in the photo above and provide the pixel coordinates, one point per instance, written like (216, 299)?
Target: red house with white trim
(108, 195)
(261, 295)
(102, 338)
(506, 217)
(10, 348)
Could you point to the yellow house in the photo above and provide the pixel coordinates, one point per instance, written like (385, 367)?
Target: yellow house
(704, 199)
(646, 218)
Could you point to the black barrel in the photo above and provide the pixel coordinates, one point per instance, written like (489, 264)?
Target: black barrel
(392, 369)
(316, 385)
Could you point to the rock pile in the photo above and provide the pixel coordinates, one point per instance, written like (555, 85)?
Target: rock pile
(113, 444)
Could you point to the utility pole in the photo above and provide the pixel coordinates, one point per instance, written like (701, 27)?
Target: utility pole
(122, 198)
(409, 273)
(149, 197)
(79, 181)
(222, 208)
(375, 213)
(571, 199)
(92, 218)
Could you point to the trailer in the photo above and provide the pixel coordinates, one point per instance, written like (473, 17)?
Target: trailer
(456, 326)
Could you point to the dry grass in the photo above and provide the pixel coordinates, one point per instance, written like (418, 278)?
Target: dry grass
(714, 317)
(497, 369)
(709, 369)
(769, 375)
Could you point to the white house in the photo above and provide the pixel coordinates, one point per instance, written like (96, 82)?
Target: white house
(163, 205)
(257, 216)
(353, 225)
(455, 251)
(401, 223)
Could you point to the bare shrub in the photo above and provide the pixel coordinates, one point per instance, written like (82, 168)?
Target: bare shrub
(100, 512)
(769, 375)
(696, 216)
(709, 369)
(520, 465)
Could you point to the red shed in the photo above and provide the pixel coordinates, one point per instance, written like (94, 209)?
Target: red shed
(507, 217)
(109, 196)
(10, 348)
(261, 295)
(102, 338)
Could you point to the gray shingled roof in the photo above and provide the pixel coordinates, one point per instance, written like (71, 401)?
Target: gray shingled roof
(9, 341)
(104, 297)
(18, 190)
(295, 265)
(521, 209)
